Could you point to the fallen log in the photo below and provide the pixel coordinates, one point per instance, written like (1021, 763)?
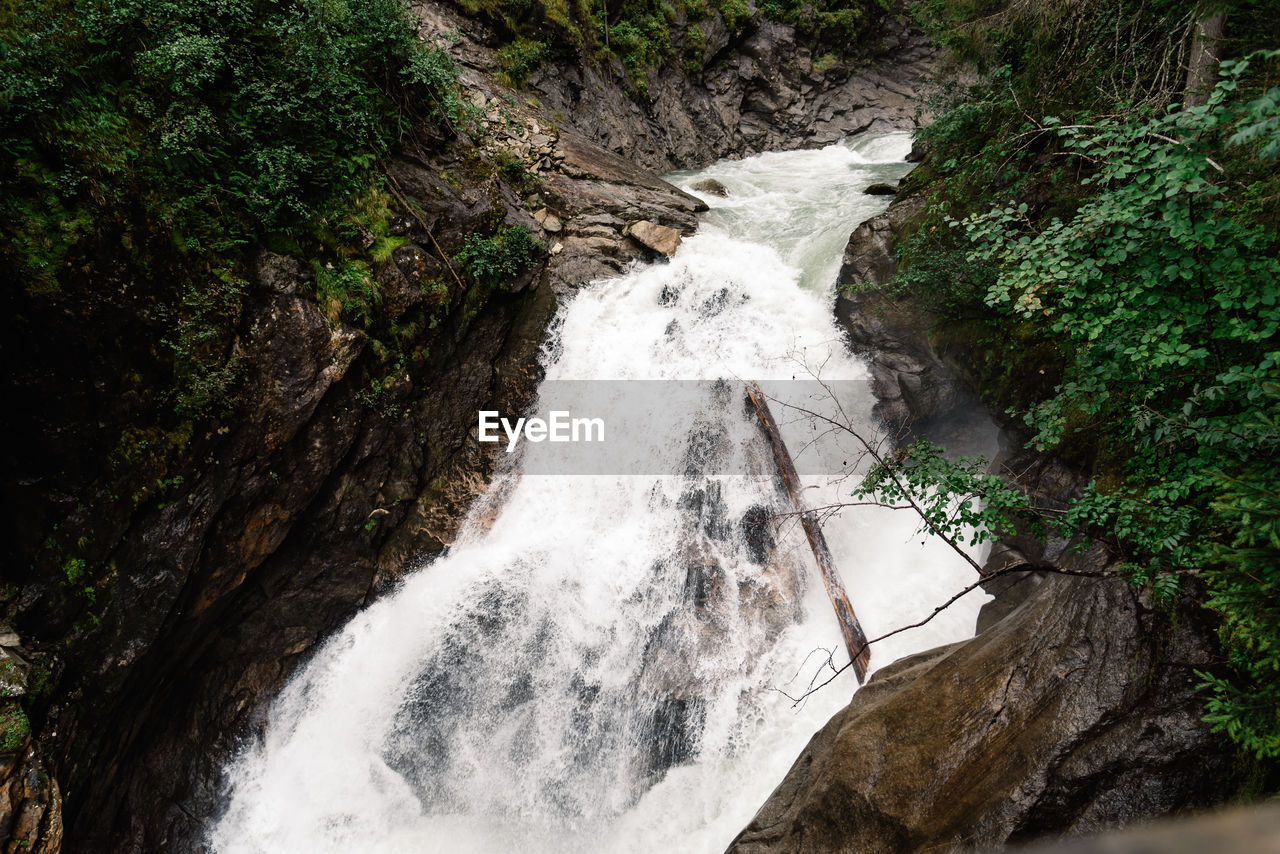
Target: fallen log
(855, 640)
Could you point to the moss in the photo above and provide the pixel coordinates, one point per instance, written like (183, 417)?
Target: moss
(384, 247)
(824, 63)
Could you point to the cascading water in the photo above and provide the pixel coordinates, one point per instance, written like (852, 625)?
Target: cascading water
(596, 671)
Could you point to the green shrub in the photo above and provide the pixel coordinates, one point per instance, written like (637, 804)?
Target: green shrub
(695, 10)
(695, 39)
(521, 58)
(735, 13)
(641, 43)
(825, 63)
(938, 272)
(516, 172)
(1147, 252)
(347, 290)
(73, 570)
(491, 261)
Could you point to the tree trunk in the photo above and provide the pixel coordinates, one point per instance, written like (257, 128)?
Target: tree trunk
(1206, 55)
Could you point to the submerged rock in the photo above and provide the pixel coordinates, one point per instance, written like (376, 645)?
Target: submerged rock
(712, 186)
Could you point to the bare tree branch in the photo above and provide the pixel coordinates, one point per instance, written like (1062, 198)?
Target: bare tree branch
(795, 701)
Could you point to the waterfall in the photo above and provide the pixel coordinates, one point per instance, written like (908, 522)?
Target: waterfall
(601, 669)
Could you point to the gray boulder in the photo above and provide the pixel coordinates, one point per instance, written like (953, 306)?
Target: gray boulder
(1066, 717)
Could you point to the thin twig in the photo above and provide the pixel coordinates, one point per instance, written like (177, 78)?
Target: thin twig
(938, 610)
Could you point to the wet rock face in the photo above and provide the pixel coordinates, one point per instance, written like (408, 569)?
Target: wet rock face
(758, 91)
(609, 198)
(313, 499)
(1074, 714)
(30, 800)
(911, 384)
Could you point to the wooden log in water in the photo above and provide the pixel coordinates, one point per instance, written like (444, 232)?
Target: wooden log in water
(855, 640)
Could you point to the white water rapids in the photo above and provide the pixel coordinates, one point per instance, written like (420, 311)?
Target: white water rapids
(596, 672)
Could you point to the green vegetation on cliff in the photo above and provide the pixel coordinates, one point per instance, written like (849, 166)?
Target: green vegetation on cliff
(156, 142)
(148, 149)
(196, 128)
(1104, 214)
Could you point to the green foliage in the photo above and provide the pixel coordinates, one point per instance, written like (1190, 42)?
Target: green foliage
(836, 24)
(491, 261)
(644, 34)
(695, 10)
(14, 727)
(174, 135)
(955, 498)
(1172, 308)
(735, 13)
(696, 39)
(641, 42)
(516, 172)
(431, 73)
(1153, 262)
(233, 119)
(927, 258)
(1245, 577)
(1260, 121)
(73, 570)
(520, 58)
(203, 322)
(825, 63)
(346, 291)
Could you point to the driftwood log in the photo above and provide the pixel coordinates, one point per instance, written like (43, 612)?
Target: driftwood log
(855, 640)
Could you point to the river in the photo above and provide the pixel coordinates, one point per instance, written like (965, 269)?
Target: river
(602, 667)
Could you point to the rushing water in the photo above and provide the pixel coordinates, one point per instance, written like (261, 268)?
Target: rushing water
(598, 671)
